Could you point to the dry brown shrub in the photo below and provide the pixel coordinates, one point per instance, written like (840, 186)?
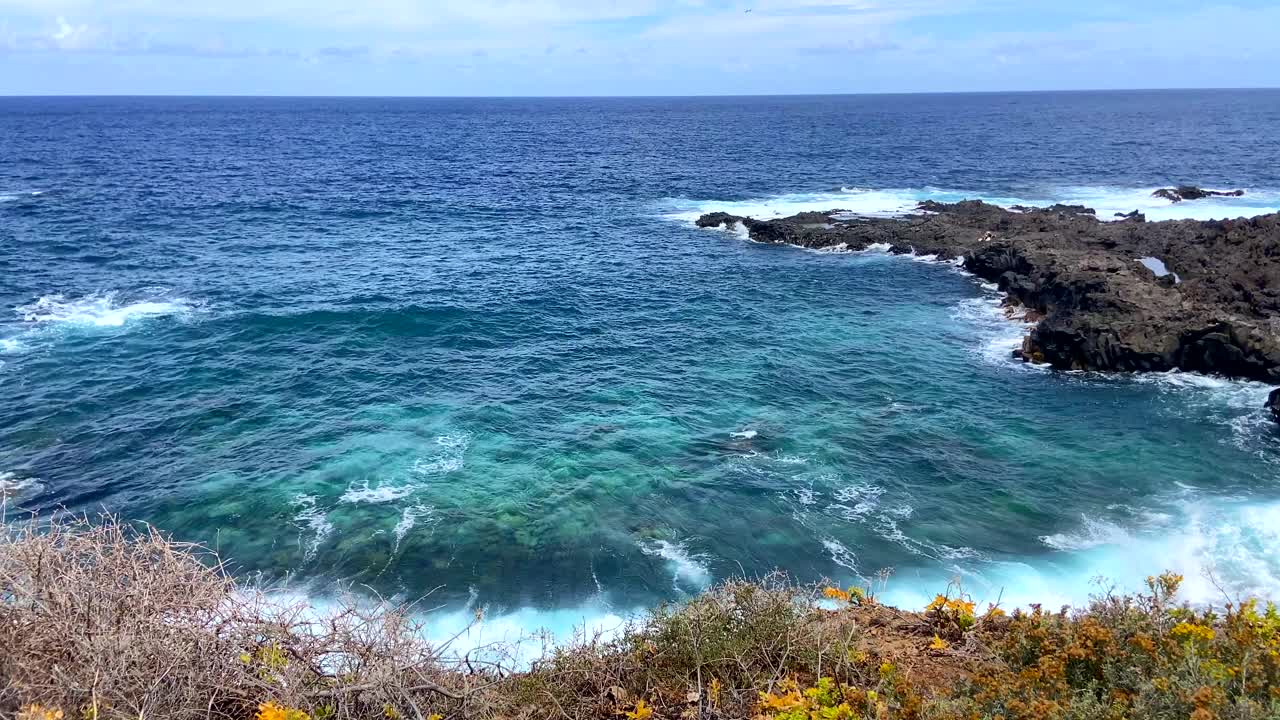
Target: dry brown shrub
(105, 619)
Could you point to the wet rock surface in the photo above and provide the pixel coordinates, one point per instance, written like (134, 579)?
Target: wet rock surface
(1098, 307)
(1191, 192)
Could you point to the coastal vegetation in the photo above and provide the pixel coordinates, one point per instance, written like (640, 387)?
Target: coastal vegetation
(102, 619)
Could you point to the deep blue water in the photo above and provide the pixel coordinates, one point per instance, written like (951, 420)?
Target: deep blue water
(479, 344)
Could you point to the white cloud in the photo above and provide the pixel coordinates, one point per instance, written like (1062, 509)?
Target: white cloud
(778, 44)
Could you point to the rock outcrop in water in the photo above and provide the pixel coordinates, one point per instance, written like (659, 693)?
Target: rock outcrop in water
(1099, 305)
(1191, 192)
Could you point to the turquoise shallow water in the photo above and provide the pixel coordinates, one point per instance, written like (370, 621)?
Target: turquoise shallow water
(478, 348)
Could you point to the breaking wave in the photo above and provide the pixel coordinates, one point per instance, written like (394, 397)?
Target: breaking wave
(375, 494)
(448, 456)
(312, 520)
(104, 310)
(17, 487)
(892, 202)
(689, 571)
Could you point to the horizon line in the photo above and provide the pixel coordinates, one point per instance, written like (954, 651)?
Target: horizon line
(4, 96)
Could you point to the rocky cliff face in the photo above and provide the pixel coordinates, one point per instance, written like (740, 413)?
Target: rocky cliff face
(1211, 303)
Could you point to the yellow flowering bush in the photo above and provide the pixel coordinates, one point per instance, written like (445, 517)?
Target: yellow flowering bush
(642, 711)
(40, 712)
(952, 614)
(272, 711)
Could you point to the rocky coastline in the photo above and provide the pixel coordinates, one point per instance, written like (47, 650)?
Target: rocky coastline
(1119, 295)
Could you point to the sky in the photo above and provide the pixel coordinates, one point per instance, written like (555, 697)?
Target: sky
(629, 47)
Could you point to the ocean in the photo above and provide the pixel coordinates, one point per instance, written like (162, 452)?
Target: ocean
(476, 350)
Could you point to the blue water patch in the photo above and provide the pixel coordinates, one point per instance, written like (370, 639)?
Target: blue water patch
(479, 346)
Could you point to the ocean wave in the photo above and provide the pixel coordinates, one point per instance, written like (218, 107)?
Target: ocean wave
(895, 202)
(16, 195)
(885, 203)
(448, 457)
(519, 637)
(855, 502)
(1091, 534)
(310, 518)
(689, 571)
(999, 334)
(1110, 201)
(1223, 548)
(408, 520)
(14, 486)
(375, 495)
(514, 637)
(11, 346)
(104, 310)
(842, 555)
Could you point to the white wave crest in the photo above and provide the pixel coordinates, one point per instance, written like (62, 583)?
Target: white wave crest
(841, 555)
(375, 495)
(309, 517)
(1110, 201)
(15, 195)
(448, 456)
(1091, 534)
(689, 571)
(999, 334)
(99, 310)
(13, 485)
(408, 519)
(855, 502)
(1219, 546)
(895, 202)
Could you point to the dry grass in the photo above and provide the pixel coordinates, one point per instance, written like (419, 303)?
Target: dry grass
(103, 620)
(112, 620)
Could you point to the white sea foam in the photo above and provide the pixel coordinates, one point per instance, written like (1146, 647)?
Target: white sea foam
(854, 502)
(788, 459)
(688, 570)
(14, 195)
(519, 637)
(376, 495)
(841, 555)
(892, 202)
(1109, 201)
(744, 435)
(448, 455)
(837, 249)
(1091, 534)
(310, 518)
(99, 309)
(805, 496)
(884, 203)
(1219, 546)
(999, 334)
(408, 519)
(516, 637)
(14, 486)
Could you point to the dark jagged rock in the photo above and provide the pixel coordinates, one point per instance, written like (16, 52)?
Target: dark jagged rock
(1094, 306)
(1273, 404)
(1070, 209)
(1134, 216)
(1191, 192)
